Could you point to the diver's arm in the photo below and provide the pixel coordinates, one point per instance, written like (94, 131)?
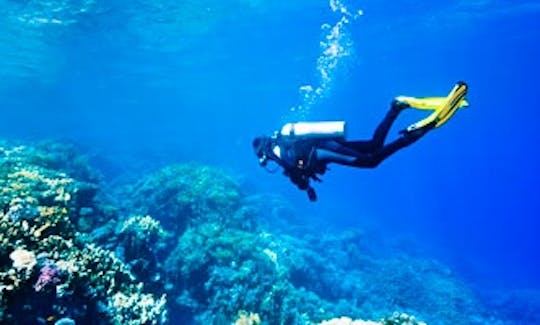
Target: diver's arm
(312, 195)
(297, 158)
(297, 177)
(303, 184)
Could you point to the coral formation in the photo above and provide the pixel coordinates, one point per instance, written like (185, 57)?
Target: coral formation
(245, 318)
(401, 319)
(73, 254)
(143, 244)
(54, 272)
(395, 319)
(182, 195)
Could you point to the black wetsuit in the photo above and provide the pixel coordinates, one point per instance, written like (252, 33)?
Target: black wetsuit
(369, 153)
(302, 160)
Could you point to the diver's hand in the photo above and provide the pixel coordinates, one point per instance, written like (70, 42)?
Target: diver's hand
(298, 178)
(312, 195)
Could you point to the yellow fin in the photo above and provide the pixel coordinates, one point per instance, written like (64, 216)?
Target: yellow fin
(446, 109)
(427, 103)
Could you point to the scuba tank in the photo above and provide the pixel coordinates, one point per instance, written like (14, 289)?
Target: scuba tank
(314, 130)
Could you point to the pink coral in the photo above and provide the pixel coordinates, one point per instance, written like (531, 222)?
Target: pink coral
(48, 275)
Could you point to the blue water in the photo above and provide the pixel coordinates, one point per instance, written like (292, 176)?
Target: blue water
(149, 83)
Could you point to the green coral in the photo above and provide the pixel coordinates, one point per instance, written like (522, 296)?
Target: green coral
(182, 195)
(217, 271)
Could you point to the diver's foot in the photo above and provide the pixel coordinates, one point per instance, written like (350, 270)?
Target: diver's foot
(445, 110)
(428, 103)
(418, 130)
(452, 103)
(399, 105)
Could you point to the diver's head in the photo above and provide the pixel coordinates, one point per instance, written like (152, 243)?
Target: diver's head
(258, 146)
(261, 145)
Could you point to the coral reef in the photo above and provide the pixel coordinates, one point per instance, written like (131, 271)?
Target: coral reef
(401, 319)
(245, 318)
(73, 254)
(514, 304)
(347, 321)
(395, 319)
(183, 195)
(142, 242)
(54, 272)
(227, 260)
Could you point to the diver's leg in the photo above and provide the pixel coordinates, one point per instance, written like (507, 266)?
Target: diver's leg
(326, 156)
(379, 136)
(382, 130)
(374, 159)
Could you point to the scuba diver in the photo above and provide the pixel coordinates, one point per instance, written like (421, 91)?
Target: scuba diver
(304, 149)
